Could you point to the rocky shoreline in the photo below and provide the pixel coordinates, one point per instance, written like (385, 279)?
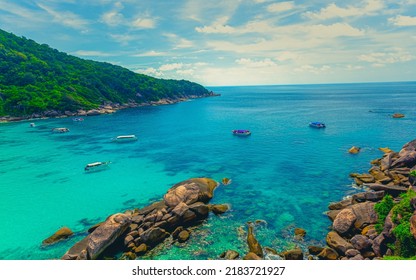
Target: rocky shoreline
(106, 108)
(360, 230)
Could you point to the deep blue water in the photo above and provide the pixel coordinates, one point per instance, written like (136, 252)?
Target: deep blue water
(285, 173)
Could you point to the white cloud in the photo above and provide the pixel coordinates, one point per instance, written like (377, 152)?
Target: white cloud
(171, 66)
(150, 71)
(186, 72)
(66, 18)
(381, 58)
(247, 62)
(219, 26)
(123, 39)
(333, 11)
(281, 7)
(313, 69)
(144, 23)
(334, 30)
(150, 53)
(179, 42)
(113, 18)
(403, 20)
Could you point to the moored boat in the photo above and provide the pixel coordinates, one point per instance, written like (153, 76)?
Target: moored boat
(96, 166)
(78, 119)
(317, 124)
(125, 138)
(241, 132)
(60, 130)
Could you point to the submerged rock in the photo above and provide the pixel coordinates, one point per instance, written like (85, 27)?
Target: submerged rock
(60, 234)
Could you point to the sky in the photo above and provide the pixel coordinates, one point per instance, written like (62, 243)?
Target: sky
(232, 42)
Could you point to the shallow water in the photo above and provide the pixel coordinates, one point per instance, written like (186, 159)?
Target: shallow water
(285, 173)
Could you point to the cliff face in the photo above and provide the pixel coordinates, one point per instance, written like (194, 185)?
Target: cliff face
(36, 79)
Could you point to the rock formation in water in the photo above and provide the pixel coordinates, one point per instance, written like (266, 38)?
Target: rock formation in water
(140, 230)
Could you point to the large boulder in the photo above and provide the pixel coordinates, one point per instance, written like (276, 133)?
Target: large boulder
(294, 254)
(60, 234)
(106, 234)
(335, 241)
(365, 214)
(407, 159)
(153, 236)
(344, 221)
(190, 191)
(360, 242)
(328, 254)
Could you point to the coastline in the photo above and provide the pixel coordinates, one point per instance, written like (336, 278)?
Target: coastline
(107, 108)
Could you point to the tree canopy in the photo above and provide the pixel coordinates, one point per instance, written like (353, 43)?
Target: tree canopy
(35, 78)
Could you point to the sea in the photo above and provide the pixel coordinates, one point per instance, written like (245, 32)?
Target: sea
(284, 175)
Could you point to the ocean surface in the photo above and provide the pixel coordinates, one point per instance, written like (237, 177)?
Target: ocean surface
(284, 175)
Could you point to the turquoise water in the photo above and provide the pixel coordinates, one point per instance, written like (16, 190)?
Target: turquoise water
(285, 173)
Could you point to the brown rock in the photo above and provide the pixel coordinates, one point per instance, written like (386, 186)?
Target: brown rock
(328, 254)
(352, 253)
(408, 159)
(365, 214)
(315, 250)
(200, 209)
(219, 208)
(368, 196)
(300, 232)
(251, 256)
(190, 191)
(106, 234)
(253, 244)
(230, 255)
(183, 236)
(385, 162)
(60, 234)
(386, 150)
(392, 190)
(340, 205)
(335, 241)
(153, 236)
(332, 214)
(141, 249)
(176, 232)
(360, 242)
(129, 256)
(295, 254)
(344, 221)
(397, 115)
(354, 150)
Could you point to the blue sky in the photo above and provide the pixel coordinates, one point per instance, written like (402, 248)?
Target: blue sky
(233, 42)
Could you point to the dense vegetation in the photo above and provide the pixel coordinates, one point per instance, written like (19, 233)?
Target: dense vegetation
(35, 78)
(404, 245)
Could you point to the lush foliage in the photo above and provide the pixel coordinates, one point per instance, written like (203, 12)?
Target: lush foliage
(405, 244)
(413, 173)
(382, 209)
(35, 78)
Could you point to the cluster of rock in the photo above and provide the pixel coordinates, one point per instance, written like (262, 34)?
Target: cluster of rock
(353, 234)
(138, 231)
(258, 252)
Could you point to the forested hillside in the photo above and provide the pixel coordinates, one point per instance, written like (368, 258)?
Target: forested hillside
(35, 78)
